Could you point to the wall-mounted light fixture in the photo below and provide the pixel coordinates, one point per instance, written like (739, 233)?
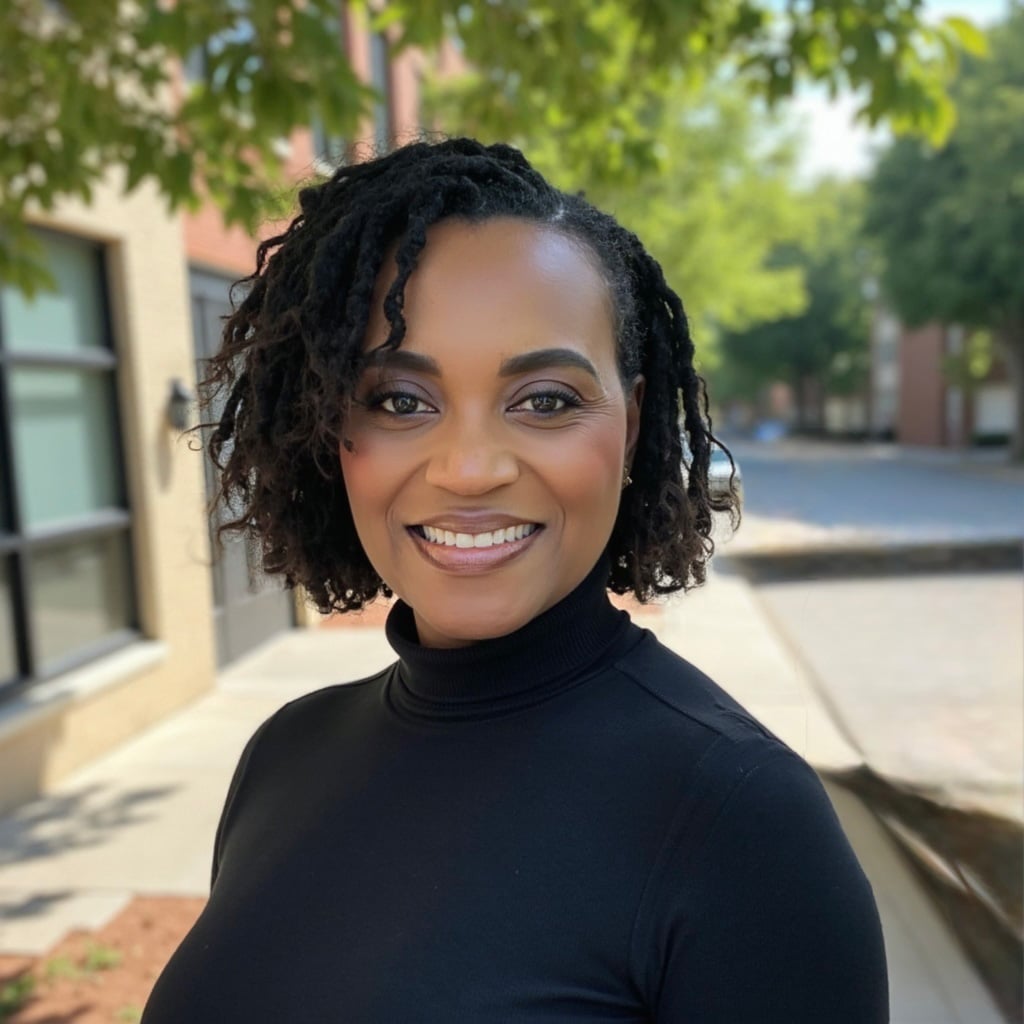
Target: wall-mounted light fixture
(179, 405)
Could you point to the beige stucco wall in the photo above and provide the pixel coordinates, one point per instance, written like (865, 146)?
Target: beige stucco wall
(58, 725)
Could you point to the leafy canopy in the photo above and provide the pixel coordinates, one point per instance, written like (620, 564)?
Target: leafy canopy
(827, 339)
(950, 219)
(86, 87)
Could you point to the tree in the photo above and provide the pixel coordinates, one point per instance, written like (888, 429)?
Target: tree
(86, 86)
(950, 219)
(712, 216)
(823, 348)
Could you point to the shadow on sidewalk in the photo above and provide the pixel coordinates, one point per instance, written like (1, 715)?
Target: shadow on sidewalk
(971, 863)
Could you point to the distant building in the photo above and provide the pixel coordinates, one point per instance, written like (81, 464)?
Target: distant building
(112, 614)
(914, 400)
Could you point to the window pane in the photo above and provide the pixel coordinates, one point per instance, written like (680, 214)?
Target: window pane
(68, 320)
(80, 593)
(5, 521)
(8, 650)
(65, 445)
(381, 79)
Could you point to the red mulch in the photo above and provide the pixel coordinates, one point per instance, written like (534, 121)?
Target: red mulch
(127, 954)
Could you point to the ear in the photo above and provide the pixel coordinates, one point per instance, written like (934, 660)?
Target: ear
(634, 403)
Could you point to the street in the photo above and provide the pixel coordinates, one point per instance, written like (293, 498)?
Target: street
(799, 493)
(924, 672)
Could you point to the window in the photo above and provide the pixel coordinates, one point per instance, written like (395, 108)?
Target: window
(380, 77)
(330, 149)
(66, 580)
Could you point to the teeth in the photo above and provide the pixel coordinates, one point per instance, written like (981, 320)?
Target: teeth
(477, 540)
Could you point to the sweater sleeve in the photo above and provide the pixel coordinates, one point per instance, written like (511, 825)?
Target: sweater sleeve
(768, 917)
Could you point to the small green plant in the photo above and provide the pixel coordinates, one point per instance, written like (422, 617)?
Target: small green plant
(129, 1014)
(15, 994)
(100, 958)
(59, 967)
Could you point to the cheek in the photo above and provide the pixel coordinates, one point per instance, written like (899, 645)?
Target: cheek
(586, 468)
(370, 482)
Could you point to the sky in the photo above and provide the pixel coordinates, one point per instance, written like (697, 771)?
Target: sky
(835, 143)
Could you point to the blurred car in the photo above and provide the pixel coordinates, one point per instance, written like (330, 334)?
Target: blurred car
(769, 431)
(719, 472)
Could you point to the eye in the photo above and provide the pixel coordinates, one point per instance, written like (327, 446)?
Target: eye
(549, 403)
(398, 403)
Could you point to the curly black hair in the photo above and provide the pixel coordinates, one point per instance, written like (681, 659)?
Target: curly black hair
(291, 356)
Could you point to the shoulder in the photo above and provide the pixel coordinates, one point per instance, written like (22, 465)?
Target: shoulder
(757, 904)
(281, 739)
(672, 698)
(323, 710)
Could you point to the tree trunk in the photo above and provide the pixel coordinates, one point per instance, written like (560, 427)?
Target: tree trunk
(1011, 339)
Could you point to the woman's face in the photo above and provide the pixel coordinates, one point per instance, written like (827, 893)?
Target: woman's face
(488, 451)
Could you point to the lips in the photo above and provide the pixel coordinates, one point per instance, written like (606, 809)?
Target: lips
(473, 551)
(484, 539)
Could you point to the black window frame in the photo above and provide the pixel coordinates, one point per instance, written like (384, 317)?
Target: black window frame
(18, 544)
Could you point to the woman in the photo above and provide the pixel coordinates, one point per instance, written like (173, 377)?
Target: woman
(453, 383)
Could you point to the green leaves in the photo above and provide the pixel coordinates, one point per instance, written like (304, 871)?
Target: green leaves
(950, 219)
(970, 38)
(826, 338)
(85, 86)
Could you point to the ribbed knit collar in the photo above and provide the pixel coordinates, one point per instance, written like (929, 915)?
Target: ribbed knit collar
(490, 677)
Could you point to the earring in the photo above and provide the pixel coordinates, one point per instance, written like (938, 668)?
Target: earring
(626, 480)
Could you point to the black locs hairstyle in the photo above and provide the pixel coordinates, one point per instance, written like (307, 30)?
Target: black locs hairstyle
(292, 351)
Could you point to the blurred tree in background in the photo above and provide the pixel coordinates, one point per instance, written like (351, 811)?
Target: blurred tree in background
(88, 87)
(823, 348)
(714, 215)
(950, 220)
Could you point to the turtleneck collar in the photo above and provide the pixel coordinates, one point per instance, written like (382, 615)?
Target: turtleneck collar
(491, 677)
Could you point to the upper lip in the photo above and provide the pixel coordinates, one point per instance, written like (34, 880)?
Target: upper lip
(483, 521)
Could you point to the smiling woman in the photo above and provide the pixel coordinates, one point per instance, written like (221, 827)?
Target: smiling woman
(502, 410)
(451, 382)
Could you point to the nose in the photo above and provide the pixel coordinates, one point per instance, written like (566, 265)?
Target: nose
(471, 462)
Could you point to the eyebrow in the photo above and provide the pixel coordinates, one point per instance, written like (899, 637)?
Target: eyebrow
(401, 359)
(542, 358)
(539, 359)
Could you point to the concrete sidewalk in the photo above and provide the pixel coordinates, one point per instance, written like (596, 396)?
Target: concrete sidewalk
(142, 819)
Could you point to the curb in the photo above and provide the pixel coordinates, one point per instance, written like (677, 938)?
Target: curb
(852, 561)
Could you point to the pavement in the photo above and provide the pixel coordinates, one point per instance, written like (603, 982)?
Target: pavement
(804, 495)
(142, 819)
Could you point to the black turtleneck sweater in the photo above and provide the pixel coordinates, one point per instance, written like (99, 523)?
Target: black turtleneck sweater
(566, 824)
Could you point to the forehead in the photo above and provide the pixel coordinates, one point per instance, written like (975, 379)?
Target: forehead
(498, 286)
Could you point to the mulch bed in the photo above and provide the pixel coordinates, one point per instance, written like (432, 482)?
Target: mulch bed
(100, 977)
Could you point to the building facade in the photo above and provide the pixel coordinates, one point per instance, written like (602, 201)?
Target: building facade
(113, 612)
(915, 400)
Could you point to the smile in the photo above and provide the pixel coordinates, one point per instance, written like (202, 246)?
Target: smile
(473, 553)
(489, 539)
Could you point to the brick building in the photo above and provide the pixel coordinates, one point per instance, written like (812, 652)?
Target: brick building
(112, 613)
(914, 401)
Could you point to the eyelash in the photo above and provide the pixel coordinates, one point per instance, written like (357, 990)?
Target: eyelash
(570, 398)
(376, 401)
